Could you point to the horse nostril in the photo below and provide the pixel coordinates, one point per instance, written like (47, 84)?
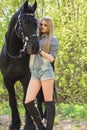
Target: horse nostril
(35, 49)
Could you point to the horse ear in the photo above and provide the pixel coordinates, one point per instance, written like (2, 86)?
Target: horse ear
(25, 5)
(34, 5)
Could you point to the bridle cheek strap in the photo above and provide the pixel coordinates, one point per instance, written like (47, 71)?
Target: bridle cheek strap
(26, 39)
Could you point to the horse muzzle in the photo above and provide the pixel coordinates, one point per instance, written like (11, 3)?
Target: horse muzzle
(33, 47)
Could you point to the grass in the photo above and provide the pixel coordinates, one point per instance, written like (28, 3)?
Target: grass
(73, 112)
(63, 111)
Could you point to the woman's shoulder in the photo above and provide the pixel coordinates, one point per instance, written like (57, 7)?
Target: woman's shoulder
(54, 40)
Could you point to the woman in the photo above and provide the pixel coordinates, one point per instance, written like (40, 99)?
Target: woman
(42, 74)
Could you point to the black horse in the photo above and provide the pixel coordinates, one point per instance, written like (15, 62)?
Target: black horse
(20, 42)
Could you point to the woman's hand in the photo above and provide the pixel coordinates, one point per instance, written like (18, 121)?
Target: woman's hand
(46, 55)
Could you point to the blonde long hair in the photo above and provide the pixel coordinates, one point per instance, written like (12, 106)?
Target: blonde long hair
(46, 46)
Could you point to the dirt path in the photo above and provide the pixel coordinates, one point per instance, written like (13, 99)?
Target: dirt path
(62, 125)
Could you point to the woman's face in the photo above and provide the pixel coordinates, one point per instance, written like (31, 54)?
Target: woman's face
(43, 27)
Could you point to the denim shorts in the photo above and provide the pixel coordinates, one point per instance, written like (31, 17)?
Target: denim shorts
(42, 73)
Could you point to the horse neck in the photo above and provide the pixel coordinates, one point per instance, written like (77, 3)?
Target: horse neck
(14, 44)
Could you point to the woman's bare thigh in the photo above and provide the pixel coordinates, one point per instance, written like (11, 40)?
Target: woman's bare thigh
(32, 91)
(47, 87)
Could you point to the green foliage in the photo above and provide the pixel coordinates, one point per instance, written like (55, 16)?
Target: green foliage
(70, 22)
(71, 66)
(71, 111)
(5, 109)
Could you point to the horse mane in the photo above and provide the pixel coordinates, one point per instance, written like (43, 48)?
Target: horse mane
(12, 23)
(11, 31)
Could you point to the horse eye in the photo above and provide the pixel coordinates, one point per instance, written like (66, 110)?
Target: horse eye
(36, 25)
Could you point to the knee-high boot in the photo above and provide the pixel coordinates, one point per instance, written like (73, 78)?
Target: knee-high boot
(50, 111)
(35, 114)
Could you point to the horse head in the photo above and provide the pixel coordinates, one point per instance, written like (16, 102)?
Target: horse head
(26, 28)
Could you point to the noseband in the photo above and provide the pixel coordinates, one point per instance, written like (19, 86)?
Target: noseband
(24, 38)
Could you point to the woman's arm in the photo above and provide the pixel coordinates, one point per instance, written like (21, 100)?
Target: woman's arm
(47, 56)
(53, 50)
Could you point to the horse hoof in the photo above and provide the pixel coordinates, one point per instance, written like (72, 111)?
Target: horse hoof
(14, 127)
(29, 127)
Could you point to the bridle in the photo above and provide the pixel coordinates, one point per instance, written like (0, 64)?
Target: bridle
(23, 37)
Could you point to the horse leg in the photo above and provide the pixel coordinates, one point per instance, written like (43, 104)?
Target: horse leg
(29, 125)
(15, 123)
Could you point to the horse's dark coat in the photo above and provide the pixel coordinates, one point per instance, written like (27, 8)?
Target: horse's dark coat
(14, 68)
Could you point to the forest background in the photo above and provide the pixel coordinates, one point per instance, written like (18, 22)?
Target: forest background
(70, 22)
